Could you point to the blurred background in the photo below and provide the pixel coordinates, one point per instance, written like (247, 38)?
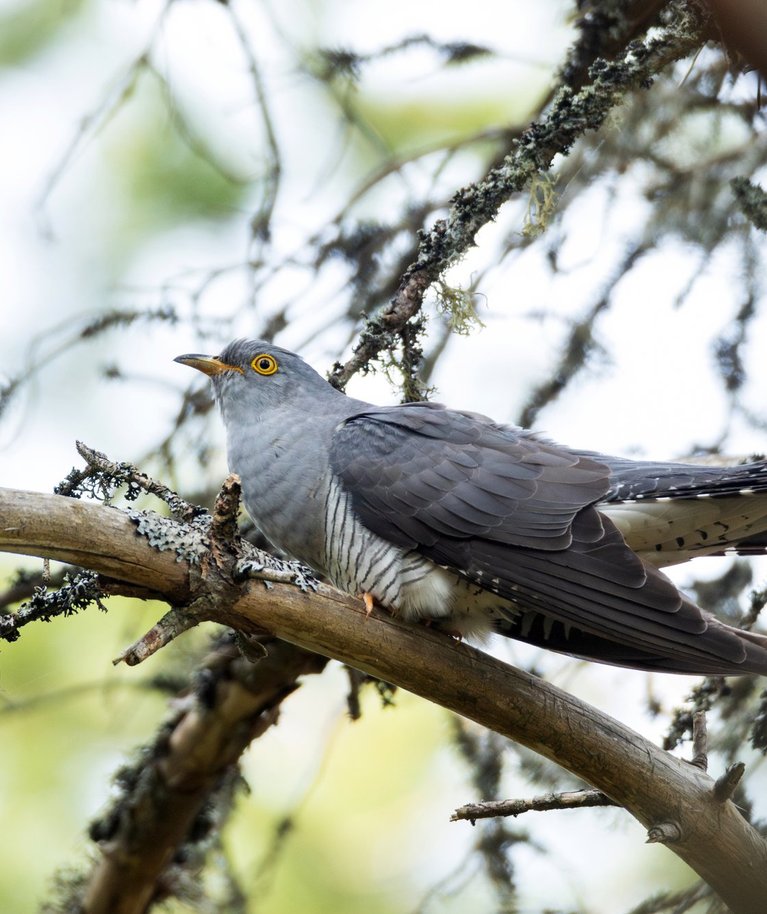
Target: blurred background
(178, 174)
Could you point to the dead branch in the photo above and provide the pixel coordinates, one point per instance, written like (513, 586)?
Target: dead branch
(568, 799)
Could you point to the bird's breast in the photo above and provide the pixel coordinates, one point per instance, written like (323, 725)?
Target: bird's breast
(400, 579)
(284, 486)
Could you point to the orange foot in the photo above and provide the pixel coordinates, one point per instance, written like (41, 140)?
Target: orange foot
(367, 599)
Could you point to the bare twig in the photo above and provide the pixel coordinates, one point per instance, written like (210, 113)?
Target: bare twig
(570, 799)
(100, 116)
(580, 344)
(727, 783)
(173, 623)
(699, 740)
(261, 222)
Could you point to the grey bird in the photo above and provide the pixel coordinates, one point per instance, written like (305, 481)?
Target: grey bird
(475, 526)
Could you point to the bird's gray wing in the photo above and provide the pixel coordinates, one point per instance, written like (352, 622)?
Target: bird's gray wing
(517, 516)
(427, 473)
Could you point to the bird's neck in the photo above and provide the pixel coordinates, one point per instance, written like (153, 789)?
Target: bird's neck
(283, 463)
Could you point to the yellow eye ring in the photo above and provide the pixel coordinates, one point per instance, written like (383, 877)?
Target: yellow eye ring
(264, 364)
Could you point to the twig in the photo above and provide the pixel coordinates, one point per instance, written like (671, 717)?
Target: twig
(261, 222)
(174, 623)
(78, 591)
(580, 343)
(356, 679)
(570, 799)
(27, 583)
(99, 464)
(571, 115)
(224, 535)
(699, 741)
(726, 783)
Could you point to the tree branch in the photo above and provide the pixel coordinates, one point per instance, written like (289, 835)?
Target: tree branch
(668, 796)
(569, 799)
(163, 810)
(570, 115)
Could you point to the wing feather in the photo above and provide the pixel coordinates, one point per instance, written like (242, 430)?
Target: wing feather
(517, 516)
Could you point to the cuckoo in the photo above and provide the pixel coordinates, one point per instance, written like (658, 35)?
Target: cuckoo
(475, 526)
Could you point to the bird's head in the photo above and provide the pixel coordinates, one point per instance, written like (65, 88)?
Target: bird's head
(255, 375)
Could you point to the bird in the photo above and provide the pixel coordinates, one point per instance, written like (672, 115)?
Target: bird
(473, 526)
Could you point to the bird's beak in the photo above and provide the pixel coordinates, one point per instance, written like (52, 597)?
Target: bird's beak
(207, 364)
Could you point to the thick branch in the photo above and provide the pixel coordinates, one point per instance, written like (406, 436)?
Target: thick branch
(193, 754)
(666, 795)
(89, 535)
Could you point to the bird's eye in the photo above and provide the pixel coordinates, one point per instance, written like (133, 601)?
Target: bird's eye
(264, 364)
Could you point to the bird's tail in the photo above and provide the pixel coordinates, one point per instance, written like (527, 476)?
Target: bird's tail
(541, 630)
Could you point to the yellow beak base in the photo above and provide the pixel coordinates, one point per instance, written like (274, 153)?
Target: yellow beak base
(207, 364)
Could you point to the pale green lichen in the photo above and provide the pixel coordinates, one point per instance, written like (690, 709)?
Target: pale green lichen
(458, 308)
(541, 205)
